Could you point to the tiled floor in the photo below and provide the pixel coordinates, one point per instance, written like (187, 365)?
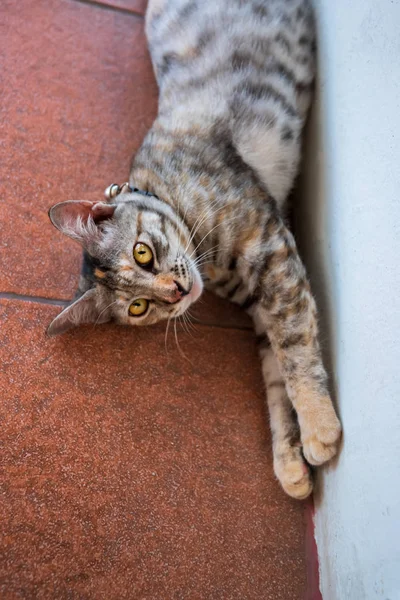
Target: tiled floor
(126, 471)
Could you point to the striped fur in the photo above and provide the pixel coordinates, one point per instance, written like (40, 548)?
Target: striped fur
(235, 79)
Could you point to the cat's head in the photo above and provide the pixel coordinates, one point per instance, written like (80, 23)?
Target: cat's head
(142, 260)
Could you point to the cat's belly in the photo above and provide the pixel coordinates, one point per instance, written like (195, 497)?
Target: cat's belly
(249, 65)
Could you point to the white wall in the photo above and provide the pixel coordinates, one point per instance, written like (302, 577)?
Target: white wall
(349, 228)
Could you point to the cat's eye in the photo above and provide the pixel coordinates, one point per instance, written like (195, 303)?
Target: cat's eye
(138, 307)
(143, 254)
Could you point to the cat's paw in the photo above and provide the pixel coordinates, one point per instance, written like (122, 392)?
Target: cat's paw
(293, 473)
(321, 439)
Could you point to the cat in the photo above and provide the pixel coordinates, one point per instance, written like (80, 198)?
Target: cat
(206, 206)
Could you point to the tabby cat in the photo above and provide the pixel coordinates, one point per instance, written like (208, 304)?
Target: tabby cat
(206, 204)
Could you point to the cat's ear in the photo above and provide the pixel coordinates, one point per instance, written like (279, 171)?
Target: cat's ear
(84, 310)
(79, 219)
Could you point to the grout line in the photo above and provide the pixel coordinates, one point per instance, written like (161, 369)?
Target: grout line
(59, 302)
(38, 299)
(111, 7)
(222, 326)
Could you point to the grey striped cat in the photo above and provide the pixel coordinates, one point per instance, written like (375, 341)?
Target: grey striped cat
(206, 205)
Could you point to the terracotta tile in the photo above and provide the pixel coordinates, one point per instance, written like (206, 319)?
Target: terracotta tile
(135, 6)
(77, 103)
(78, 96)
(130, 473)
(213, 310)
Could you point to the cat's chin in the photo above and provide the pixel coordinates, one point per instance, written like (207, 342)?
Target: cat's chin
(193, 295)
(197, 288)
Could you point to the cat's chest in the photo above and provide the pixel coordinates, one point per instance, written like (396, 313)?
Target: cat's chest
(224, 282)
(213, 275)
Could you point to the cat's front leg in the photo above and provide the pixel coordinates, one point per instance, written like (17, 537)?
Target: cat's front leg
(285, 307)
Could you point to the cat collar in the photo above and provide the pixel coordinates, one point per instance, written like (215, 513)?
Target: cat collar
(114, 190)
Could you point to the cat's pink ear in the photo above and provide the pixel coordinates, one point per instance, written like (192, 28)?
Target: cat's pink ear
(79, 219)
(84, 310)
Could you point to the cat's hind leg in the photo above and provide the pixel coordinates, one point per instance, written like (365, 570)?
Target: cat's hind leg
(290, 467)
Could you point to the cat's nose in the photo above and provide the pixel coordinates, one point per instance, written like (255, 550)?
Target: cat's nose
(180, 290)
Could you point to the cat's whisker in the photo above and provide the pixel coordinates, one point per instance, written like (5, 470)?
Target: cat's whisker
(189, 323)
(185, 324)
(210, 214)
(192, 316)
(185, 213)
(178, 345)
(209, 207)
(166, 335)
(200, 255)
(191, 232)
(210, 250)
(103, 311)
(196, 226)
(180, 320)
(201, 265)
(203, 218)
(206, 258)
(211, 230)
(205, 254)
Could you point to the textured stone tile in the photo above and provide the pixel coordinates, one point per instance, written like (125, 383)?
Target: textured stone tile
(78, 95)
(213, 310)
(78, 98)
(127, 472)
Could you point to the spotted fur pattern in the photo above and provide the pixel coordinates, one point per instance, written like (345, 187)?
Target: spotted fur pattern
(235, 80)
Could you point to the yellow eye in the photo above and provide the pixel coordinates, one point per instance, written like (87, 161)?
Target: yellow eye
(142, 254)
(138, 307)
